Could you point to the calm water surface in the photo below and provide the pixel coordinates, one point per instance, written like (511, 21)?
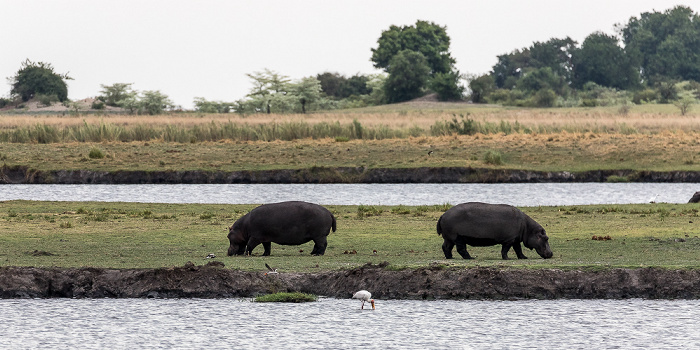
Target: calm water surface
(339, 324)
(546, 194)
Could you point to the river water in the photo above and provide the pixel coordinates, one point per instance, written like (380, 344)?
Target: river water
(340, 324)
(545, 194)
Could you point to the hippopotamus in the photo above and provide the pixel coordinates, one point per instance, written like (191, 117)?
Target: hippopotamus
(286, 223)
(482, 224)
(695, 198)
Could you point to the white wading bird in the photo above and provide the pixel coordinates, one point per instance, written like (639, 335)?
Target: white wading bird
(271, 270)
(364, 296)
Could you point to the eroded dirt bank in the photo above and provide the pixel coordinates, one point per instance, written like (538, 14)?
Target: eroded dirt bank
(24, 175)
(438, 282)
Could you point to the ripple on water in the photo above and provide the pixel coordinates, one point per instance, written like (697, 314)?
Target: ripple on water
(546, 194)
(339, 323)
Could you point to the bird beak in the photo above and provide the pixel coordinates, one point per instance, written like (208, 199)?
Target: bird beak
(372, 301)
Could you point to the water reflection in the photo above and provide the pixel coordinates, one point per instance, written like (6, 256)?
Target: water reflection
(546, 194)
(339, 323)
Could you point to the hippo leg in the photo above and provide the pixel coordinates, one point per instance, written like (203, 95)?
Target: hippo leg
(447, 248)
(504, 250)
(519, 250)
(462, 250)
(320, 245)
(267, 246)
(252, 243)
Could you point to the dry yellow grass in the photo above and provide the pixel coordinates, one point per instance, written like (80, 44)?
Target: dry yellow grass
(640, 119)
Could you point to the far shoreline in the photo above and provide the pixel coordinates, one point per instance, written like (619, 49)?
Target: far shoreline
(26, 175)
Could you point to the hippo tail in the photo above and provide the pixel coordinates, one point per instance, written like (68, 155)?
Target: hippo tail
(439, 227)
(333, 223)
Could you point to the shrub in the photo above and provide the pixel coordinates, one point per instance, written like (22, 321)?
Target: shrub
(286, 298)
(46, 100)
(544, 98)
(98, 105)
(616, 178)
(96, 153)
(644, 96)
(493, 157)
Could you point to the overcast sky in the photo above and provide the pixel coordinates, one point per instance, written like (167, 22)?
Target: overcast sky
(204, 48)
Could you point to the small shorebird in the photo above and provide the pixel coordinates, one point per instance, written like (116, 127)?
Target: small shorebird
(364, 296)
(271, 270)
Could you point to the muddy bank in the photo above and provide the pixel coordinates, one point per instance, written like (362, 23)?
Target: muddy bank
(24, 175)
(437, 282)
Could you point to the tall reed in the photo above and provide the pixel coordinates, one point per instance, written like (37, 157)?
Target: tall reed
(290, 130)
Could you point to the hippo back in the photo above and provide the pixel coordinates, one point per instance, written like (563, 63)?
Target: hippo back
(497, 222)
(289, 222)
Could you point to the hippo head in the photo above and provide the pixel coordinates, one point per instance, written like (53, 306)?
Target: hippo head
(537, 239)
(236, 239)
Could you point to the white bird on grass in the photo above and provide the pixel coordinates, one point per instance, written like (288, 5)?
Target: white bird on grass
(364, 296)
(271, 270)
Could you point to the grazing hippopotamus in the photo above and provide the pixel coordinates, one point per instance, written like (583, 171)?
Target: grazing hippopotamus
(481, 224)
(286, 223)
(695, 198)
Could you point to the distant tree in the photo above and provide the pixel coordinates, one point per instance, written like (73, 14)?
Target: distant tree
(337, 86)
(155, 102)
(35, 78)
(331, 83)
(447, 86)
(204, 106)
(112, 94)
(428, 38)
(542, 78)
(602, 61)
(510, 67)
(433, 43)
(555, 54)
(481, 87)
(306, 91)
(265, 85)
(664, 45)
(408, 73)
(685, 102)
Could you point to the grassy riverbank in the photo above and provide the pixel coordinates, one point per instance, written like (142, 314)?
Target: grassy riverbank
(647, 137)
(133, 235)
(538, 152)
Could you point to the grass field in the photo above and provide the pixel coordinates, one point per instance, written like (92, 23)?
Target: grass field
(647, 137)
(132, 235)
(545, 152)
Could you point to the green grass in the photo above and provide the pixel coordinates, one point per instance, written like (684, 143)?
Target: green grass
(136, 235)
(286, 298)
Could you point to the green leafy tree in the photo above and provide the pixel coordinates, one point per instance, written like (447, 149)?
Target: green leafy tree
(39, 78)
(204, 106)
(481, 87)
(266, 85)
(155, 102)
(408, 73)
(433, 43)
(307, 91)
(447, 86)
(555, 54)
(112, 94)
(664, 45)
(542, 78)
(428, 38)
(602, 61)
(338, 86)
